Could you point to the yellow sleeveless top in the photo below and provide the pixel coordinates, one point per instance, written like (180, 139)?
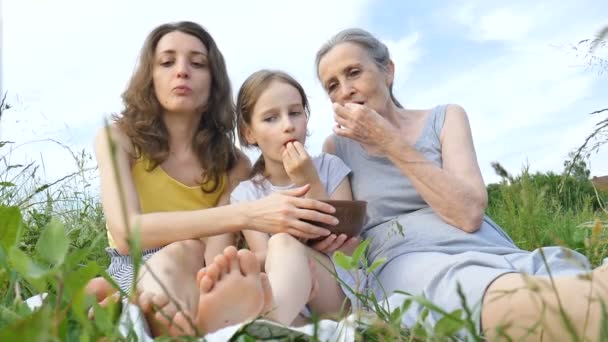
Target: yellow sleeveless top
(157, 192)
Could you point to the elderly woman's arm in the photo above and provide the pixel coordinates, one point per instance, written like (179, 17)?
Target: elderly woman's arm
(455, 191)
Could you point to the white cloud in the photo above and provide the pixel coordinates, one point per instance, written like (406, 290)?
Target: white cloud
(530, 101)
(404, 53)
(66, 63)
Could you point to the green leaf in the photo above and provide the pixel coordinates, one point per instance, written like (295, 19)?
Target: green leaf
(580, 235)
(604, 324)
(395, 316)
(81, 303)
(135, 250)
(359, 253)
(449, 325)
(53, 244)
(14, 166)
(23, 264)
(6, 184)
(79, 256)
(406, 305)
(75, 281)
(2, 143)
(10, 225)
(343, 260)
(33, 328)
(375, 265)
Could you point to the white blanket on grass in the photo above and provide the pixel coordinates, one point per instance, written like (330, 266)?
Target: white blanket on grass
(326, 330)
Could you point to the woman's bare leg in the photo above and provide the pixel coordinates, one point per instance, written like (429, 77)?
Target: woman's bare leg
(232, 290)
(167, 282)
(534, 307)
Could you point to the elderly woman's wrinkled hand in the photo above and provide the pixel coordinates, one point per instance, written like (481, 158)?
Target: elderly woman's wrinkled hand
(335, 242)
(360, 123)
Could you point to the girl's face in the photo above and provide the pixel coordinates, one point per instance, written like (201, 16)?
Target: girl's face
(350, 75)
(278, 117)
(181, 76)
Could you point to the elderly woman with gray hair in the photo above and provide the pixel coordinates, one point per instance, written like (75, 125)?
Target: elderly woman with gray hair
(418, 168)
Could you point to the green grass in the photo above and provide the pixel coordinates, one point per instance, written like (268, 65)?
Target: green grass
(53, 238)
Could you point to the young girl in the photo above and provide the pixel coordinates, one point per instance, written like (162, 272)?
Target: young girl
(273, 112)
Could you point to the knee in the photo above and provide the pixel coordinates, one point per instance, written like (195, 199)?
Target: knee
(186, 247)
(283, 241)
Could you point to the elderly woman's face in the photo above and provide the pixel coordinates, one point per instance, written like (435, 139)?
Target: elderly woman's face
(181, 74)
(349, 75)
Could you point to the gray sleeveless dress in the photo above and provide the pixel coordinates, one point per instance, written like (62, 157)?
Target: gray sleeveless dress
(425, 255)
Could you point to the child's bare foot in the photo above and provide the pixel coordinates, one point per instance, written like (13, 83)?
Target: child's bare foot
(232, 290)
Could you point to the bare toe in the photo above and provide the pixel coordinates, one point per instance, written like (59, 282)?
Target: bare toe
(111, 299)
(144, 301)
(164, 316)
(214, 272)
(182, 325)
(200, 274)
(160, 301)
(230, 252)
(221, 261)
(206, 284)
(234, 264)
(248, 262)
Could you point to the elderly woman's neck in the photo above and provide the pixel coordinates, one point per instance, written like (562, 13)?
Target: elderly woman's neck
(394, 114)
(181, 128)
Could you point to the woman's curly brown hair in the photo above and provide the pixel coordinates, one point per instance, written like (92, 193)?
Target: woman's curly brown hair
(141, 119)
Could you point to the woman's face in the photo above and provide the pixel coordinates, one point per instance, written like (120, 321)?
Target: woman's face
(181, 74)
(278, 118)
(349, 75)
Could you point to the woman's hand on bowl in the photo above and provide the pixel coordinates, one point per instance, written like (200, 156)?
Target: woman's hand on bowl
(284, 212)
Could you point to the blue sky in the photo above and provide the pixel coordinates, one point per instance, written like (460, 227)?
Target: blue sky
(509, 64)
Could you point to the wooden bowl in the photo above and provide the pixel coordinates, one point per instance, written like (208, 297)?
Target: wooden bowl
(351, 215)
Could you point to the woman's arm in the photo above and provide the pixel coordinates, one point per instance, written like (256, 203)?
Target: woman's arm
(281, 212)
(456, 191)
(122, 210)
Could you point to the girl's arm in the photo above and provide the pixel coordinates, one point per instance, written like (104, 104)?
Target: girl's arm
(301, 170)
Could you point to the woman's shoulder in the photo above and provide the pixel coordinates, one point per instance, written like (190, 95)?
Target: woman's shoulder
(112, 135)
(329, 145)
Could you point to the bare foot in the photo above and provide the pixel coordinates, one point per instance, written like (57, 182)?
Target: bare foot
(159, 312)
(104, 293)
(231, 292)
(100, 288)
